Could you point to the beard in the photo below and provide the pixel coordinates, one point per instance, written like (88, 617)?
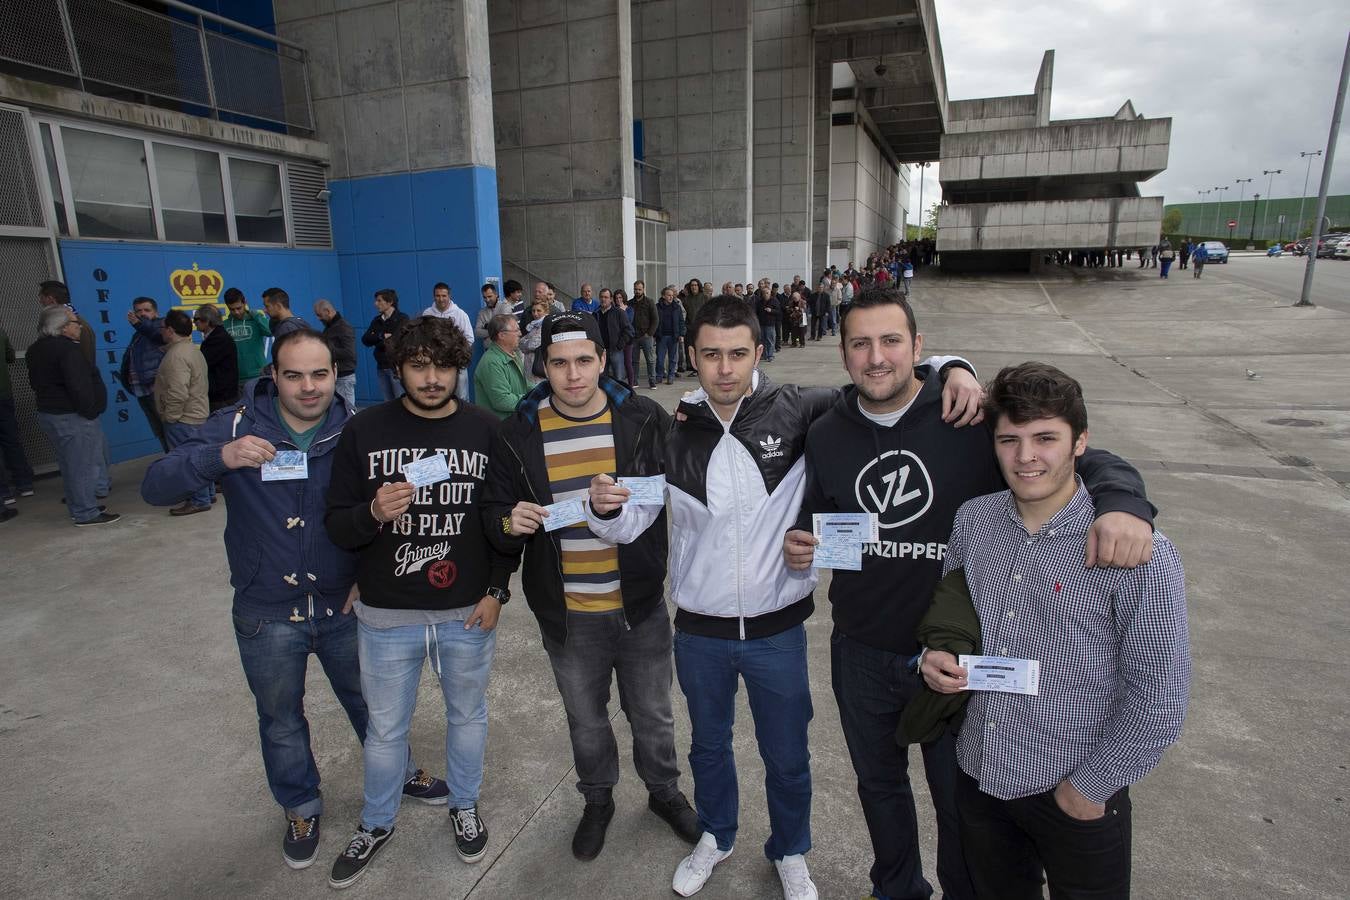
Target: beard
(432, 406)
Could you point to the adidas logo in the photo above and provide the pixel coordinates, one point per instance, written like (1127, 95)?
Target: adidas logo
(771, 445)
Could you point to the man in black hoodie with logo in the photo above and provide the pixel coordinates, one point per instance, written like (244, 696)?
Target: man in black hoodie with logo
(885, 449)
(601, 608)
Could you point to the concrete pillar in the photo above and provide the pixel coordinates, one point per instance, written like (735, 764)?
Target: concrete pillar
(784, 138)
(562, 103)
(401, 96)
(866, 189)
(691, 64)
(820, 169)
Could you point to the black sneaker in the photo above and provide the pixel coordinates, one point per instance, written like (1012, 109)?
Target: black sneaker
(470, 833)
(361, 849)
(431, 791)
(7, 513)
(103, 518)
(678, 814)
(301, 843)
(589, 838)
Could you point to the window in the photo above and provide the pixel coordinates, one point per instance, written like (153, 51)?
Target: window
(651, 255)
(54, 179)
(191, 199)
(258, 213)
(110, 183)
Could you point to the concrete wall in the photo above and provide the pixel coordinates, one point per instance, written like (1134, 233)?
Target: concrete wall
(783, 138)
(1101, 150)
(562, 92)
(401, 95)
(1048, 225)
(691, 90)
(992, 114)
(866, 208)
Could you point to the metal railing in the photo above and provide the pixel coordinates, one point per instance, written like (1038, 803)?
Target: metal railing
(183, 57)
(646, 185)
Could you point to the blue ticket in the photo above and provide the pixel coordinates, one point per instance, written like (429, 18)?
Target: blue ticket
(645, 491)
(287, 465)
(838, 553)
(564, 513)
(427, 470)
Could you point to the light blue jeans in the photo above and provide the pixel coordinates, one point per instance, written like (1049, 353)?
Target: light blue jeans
(390, 387)
(391, 667)
(79, 447)
(346, 389)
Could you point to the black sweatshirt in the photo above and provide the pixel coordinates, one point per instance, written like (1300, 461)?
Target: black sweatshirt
(915, 475)
(435, 556)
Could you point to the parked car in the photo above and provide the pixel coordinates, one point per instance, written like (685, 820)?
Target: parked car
(1217, 250)
(1326, 248)
(1342, 250)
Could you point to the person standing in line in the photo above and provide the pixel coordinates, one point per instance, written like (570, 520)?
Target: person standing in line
(70, 396)
(499, 380)
(735, 473)
(281, 616)
(615, 332)
(630, 349)
(277, 305)
(600, 608)
(443, 307)
(907, 275)
(340, 335)
(249, 330)
(384, 327)
(222, 363)
(141, 359)
(770, 311)
(585, 303)
(669, 333)
(644, 328)
(16, 474)
(1043, 785)
(182, 397)
(55, 293)
(431, 586)
(488, 311)
(530, 339)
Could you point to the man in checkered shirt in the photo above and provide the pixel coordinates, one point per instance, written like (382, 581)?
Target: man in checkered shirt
(1045, 777)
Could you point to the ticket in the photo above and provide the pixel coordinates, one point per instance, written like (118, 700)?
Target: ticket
(287, 465)
(427, 470)
(861, 528)
(645, 491)
(564, 513)
(838, 553)
(1002, 674)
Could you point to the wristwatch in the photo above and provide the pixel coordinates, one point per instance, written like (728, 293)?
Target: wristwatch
(501, 595)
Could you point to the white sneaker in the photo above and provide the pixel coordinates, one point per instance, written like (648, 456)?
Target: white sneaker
(797, 883)
(693, 871)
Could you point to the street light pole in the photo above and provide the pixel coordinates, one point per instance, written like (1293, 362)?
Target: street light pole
(1269, 186)
(1327, 160)
(921, 166)
(1256, 199)
(1201, 224)
(1301, 197)
(1218, 208)
(1243, 182)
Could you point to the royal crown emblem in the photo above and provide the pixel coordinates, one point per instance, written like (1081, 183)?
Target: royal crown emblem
(196, 287)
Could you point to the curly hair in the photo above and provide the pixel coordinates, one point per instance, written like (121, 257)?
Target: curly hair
(433, 339)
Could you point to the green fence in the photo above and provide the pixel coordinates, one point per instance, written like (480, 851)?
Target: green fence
(1260, 220)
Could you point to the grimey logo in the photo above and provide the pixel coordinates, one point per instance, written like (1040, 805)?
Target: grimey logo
(896, 486)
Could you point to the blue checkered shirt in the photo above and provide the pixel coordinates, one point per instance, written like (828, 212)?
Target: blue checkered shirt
(1112, 646)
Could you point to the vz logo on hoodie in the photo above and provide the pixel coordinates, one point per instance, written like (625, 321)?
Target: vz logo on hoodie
(771, 445)
(896, 486)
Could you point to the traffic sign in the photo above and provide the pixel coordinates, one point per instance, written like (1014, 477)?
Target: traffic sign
(1232, 223)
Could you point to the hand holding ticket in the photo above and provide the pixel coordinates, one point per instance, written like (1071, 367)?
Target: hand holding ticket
(427, 470)
(647, 491)
(1001, 674)
(286, 465)
(564, 513)
(840, 538)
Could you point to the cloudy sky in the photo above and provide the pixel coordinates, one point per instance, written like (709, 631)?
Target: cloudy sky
(1247, 88)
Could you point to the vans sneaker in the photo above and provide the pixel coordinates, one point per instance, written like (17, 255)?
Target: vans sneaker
(300, 844)
(470, 833)
(361, 849)
(431, 791)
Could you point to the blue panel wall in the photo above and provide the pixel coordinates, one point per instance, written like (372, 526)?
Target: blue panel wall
(104, 277)
(407, 232)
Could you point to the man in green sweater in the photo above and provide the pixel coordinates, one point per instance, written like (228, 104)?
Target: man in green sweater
(16, 475)
(499, 381)
(250, 331)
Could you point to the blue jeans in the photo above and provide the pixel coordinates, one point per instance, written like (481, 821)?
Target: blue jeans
(776, 683)
(872, 688)
(390, 386)
(79, 453)
(614, 366)
(647, 347)
(15, 472)
(768, 336)
(667, 351)
(346, 389)
(176, 433)
(274, 653)
(391, 667)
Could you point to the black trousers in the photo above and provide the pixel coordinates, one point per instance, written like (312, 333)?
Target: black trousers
(1009, 843)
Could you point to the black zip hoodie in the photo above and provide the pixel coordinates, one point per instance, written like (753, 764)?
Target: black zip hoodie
(517, 471)
(915, 475)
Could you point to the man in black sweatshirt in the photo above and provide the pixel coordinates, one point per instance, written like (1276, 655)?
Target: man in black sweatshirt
(404, 494)
(887, 448)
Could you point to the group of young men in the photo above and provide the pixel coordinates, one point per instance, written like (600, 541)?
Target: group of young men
(384, 540)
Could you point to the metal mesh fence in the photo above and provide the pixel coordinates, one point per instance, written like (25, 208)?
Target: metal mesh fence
(20, 201)
(139, 50)
(23, 263)
(254, 81)
(31, 33)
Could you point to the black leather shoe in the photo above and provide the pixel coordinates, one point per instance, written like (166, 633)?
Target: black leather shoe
(678, 815)
(589, 838)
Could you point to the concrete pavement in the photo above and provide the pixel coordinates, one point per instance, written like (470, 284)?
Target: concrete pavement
(129, 738)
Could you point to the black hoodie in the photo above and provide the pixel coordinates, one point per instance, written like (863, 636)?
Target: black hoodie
(915, 475)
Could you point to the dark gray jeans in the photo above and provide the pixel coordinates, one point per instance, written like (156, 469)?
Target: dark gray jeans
(599, 644)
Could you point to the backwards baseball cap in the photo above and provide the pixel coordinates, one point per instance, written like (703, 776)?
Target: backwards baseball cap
(569, 326)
